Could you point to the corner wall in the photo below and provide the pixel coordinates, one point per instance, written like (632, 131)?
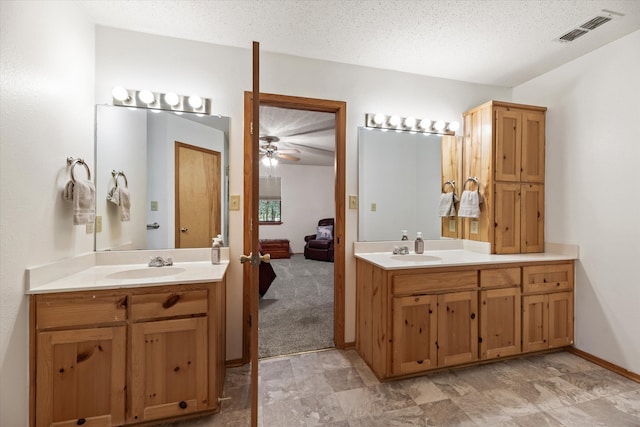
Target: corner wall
(47, 114)
(592, 182)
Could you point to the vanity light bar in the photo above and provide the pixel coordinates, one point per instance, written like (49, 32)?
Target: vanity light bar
(160, 101)
(410, 124)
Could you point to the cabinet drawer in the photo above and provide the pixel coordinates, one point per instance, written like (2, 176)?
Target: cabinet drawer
(500, 277)
(79, 309)
(421, 283)
(547, 278)
(168, 304)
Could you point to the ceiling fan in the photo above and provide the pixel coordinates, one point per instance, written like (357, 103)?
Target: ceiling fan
(270, 151)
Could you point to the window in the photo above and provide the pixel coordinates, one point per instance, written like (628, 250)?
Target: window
(270, 201)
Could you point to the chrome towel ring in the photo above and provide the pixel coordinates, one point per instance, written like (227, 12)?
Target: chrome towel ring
(451, 183)
(73, 162)
(116, 174)
(472, 179)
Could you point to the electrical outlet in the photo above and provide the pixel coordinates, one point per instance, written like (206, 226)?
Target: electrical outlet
(474, 227)
(154, 205)
(353, 201)
(234, 202)
(452, 225)
(98, 224)
(373, 207)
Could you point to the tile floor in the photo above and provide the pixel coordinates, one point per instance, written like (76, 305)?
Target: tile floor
(337, 389)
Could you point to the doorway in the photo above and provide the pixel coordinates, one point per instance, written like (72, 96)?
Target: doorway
(338, 108)
(197, 195)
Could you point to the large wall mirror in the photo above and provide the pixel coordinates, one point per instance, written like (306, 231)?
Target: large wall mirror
(399, 184)
(175, 170)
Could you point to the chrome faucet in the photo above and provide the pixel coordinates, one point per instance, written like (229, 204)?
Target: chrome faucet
(160, 262)
(402, 250)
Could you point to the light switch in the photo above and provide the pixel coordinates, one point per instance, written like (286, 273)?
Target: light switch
(353, 201)
(373, 207)
(234, 202)
(154, 205)
(474, 227)
(452, 225)
(98, 224)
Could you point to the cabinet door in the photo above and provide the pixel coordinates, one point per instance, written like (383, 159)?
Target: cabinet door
(499, 322)
(560, 319)
(535, 323)
(81, 377)
(451, 171)
(507, 218)
(414, 333)
(169, 374)
(532, 218)
(457, 328)
(533, 146)
(508, 136)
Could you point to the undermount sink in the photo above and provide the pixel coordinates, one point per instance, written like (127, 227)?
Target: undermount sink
(146, 273)
(415, 258)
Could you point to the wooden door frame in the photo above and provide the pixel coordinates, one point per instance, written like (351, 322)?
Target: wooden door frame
(339, 108)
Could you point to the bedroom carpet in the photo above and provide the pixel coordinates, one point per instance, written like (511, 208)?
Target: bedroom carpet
(296, 313)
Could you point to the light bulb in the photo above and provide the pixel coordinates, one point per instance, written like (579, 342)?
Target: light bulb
(171, 99)
(265, 161)
(378, 119)
(454, 126)
(146, 96)
(120, 93)
(439, 125)
(425, 124)
(410, 122)
(274, 161)
(394, 121)
(195, 101)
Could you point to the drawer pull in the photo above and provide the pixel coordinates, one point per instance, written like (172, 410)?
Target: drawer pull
(81, 421)
(171, 301)
(183, 404)
(420, 362)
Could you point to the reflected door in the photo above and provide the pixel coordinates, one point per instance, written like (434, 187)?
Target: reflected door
(198, 217)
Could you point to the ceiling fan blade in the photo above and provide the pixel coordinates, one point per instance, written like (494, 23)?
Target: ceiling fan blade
(287, 157)
(288, 151)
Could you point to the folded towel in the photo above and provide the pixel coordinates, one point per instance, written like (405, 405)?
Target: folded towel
(83, 195)
(125, 204)
(447, 206)
(470, 204)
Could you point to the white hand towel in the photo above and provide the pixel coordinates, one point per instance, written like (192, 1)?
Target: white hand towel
(83, 195)
(114, 195)
(470, 204)
(125, 204)
(447, 205)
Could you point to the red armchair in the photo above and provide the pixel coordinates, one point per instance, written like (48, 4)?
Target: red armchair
(319, 246)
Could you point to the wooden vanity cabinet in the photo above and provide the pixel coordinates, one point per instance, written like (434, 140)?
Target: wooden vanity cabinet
(109, 358)
(504, 147)
(547, 306)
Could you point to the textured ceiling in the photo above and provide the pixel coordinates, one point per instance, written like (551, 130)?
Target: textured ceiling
(497, 42)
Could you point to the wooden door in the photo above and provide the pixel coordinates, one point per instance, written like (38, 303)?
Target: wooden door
(198, 200)
(560, 319)
(507, 218)
(508, 135)
(415, 330)
(535, 323)
(499, 322)
(452, 171)
(533, 146)
(169, 374)
(532, 218)
(457, 328)
(81, 377)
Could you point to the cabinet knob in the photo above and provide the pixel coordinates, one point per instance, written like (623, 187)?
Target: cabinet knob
(473, 316)
(81, 421)
(183, 405)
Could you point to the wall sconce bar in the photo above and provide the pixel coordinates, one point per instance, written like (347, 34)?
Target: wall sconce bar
(160, 101)
(410, 124)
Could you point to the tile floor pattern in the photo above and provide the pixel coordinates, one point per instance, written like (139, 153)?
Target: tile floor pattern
(337, 389)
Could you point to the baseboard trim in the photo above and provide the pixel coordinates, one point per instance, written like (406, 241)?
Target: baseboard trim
(234, 363)
(349, 345)
(607, 365)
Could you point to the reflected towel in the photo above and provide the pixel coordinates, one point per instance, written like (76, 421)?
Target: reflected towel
(83, 195)
(114, 196)
(125, 204)
(470, 204)
(447, 205)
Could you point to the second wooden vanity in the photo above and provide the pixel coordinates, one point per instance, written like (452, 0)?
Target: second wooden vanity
(412, 320)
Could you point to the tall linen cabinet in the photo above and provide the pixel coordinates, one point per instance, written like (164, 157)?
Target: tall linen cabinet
(504, 148)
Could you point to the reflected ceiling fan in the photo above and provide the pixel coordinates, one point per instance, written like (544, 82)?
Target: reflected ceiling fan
(270, 152)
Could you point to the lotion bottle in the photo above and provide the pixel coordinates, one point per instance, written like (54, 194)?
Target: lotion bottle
(419, 244)
(215, 251)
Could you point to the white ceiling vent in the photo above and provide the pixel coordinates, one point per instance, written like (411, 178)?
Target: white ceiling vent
(600, 19)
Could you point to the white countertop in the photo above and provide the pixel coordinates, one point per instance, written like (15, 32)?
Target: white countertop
(103, 271)
(453, 254)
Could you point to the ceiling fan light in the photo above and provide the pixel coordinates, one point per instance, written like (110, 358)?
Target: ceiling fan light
(266, 161)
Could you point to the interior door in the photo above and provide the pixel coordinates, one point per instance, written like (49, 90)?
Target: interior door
(198, 210)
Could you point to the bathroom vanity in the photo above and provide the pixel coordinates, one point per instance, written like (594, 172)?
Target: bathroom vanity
(120, 344)
(445, 308)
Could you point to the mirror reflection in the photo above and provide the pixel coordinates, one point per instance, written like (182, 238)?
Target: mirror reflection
(174, 167)
(399, 176)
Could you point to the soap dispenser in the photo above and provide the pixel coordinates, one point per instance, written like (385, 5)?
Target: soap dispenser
(419, 245)
(404, 235)
(215, 251)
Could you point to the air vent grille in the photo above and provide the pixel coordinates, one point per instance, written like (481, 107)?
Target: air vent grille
(572, 35)
(594, 23)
